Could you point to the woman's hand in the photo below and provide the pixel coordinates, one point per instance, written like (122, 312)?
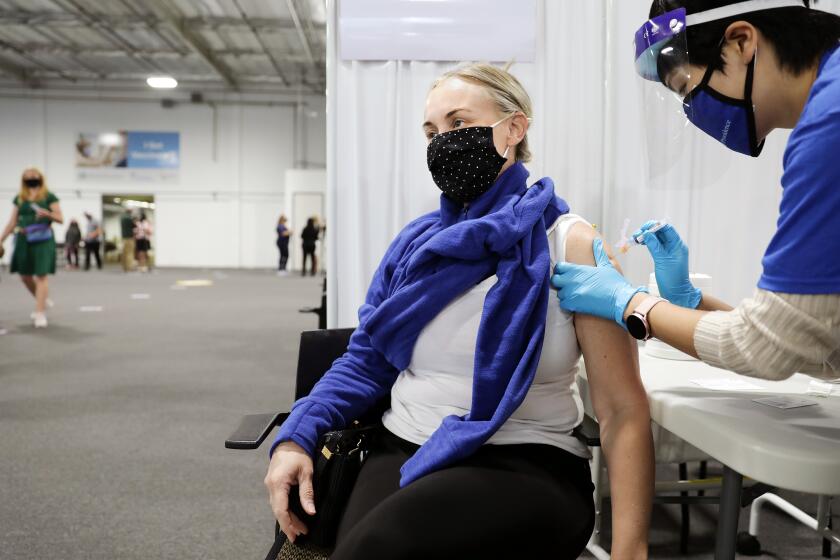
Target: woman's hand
(670, 257)
(598, 290)
(290, 466)
(43, 213)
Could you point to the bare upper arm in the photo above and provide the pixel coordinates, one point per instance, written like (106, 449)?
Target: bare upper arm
(579, 245)
(610, 354)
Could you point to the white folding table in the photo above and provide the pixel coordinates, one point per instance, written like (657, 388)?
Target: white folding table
(796, 449)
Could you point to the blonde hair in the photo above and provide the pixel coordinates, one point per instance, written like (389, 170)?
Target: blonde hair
(505, 90)
(23, 194)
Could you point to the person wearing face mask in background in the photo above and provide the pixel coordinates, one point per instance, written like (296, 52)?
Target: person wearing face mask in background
(34, 210)
(480, 365)
(744, 69)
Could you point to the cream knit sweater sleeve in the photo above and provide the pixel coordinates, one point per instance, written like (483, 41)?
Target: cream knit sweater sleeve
(774, 335)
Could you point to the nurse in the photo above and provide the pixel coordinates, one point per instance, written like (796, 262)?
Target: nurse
(743, 69)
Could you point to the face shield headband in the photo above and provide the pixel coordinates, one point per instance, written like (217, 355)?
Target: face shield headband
(662, 55)
(664, 35)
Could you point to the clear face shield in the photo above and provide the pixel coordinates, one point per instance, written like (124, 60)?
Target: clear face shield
(661, 58)
(678, 104)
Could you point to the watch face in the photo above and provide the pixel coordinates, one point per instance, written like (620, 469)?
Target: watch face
(636, 327)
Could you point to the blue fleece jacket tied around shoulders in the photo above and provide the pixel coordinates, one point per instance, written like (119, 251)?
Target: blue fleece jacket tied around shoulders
(432, 261)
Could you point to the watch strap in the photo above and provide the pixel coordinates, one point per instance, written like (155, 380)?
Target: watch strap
(647, 304)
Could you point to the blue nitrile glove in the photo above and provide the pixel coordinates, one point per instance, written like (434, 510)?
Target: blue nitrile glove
(670, 257)
(594, 290)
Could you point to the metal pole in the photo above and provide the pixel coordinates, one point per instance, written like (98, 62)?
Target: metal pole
(332, 212)
(730, 508)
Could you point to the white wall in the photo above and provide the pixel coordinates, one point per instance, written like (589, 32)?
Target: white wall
(221, 209)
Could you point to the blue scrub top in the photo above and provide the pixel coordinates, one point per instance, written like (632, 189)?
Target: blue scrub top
(804, 255)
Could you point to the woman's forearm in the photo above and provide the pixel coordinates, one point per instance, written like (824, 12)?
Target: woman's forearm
(55, 214)
(675, 325)
(672, 324)
(711, 303)
(627, 443)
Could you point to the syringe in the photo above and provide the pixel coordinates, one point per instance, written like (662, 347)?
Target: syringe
(659, 224)
(623, 245)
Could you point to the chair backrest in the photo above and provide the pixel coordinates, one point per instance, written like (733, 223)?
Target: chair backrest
(318, 350)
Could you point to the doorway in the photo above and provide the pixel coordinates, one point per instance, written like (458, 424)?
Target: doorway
(121, 214)
(307, 205)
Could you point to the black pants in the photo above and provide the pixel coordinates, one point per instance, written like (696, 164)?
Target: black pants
(92, 247)
(309, 251)
(506, 501)
(284, 255)
(72, 253)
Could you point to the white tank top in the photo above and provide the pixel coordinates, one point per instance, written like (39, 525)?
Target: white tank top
(438, 381)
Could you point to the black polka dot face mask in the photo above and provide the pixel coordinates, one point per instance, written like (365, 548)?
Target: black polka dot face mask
(464, 162)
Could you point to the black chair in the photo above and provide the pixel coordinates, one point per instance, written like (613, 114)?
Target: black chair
(321, 311)
(318, 350)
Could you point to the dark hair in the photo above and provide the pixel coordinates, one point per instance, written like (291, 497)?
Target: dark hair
(799, 35)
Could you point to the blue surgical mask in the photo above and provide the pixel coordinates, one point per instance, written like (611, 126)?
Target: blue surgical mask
(729, 121)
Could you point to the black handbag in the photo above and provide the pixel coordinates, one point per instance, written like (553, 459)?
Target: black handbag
(338, 459)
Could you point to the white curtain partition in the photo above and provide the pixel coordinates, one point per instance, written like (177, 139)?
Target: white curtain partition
(586, 135)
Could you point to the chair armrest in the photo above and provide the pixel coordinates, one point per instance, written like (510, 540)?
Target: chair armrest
(253, 429)
(588, 431)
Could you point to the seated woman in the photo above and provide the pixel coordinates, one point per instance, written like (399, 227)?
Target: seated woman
(477, 458)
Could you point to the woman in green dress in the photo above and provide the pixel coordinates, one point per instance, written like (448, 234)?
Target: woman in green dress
(35, 209)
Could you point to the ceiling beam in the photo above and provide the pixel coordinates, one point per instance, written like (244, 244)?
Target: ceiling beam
(262, 44)
(26, 56)
(57, 36)
(17, 72)
(68, 19)
(150, 21)
(102, 28)
(263, 24)
(174, 18)
(66, 50)
(134, 76)
(304, 39)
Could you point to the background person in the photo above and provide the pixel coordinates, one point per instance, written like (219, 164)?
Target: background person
(93, 240)
(309, 237)
(792, 322)
(283, 234)
(72, 238)
(127, 234)
(142, 243)
(34, 210)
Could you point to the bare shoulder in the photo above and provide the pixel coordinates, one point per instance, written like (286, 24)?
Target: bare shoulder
(579, 243)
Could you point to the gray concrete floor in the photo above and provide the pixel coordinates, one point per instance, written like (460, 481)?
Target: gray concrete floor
(112, 422)
(780, 537)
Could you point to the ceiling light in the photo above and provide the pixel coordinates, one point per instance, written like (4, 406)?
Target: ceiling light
(162, 82)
